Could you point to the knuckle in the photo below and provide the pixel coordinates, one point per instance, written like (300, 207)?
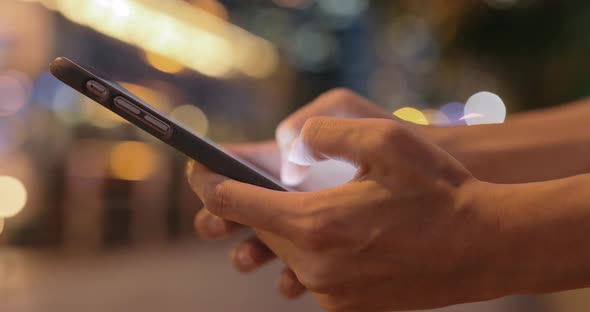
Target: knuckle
(341, 95)
(387, 133)
(217, 198)
(199, 221)
(318, 278)
(391, 130)
(317, 233)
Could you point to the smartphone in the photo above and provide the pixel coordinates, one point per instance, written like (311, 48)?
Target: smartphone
(123, 103)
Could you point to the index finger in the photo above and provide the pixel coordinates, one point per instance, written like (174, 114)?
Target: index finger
(257, 207)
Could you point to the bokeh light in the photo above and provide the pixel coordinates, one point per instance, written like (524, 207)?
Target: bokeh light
(15, 88)
(170, 29)
(257, 61)
(163, 63)
(132, 161)
(13, 195)
(212, 6)
(484, 108)
(191, 117)
(454, 112)
(158, 100)
(440, 119)
(412, 115)
(99, 116)
(435, 117)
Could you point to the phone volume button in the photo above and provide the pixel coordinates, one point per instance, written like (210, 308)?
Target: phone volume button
(156, 123)
(126, 105)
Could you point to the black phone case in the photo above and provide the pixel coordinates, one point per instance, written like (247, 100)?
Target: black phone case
(178, 137)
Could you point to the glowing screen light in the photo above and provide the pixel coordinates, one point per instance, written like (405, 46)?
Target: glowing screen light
(13, 195)
(484, 108)
(412, 115)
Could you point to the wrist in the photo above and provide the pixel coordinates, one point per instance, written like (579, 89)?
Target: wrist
(460, 142)
(487, 253)
(529, 238)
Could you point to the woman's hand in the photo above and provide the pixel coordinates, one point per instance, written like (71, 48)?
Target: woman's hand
(400, 235)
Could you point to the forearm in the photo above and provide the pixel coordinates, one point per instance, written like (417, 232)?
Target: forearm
(536, 146)
(538, 240)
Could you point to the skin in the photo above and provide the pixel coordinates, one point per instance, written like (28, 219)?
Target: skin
(483, 240)
(530, 147)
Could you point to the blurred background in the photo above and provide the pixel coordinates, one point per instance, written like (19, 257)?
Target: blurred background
(96, 215)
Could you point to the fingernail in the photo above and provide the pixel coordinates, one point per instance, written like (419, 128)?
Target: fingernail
(298, 155)
(287, 286)
(245, 258)
(216, 225)
(189, 169)
(291, 174)
(285, 282)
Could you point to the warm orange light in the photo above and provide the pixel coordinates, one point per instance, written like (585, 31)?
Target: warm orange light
(163, 63)
(191, 117)
(213, 7)
(157, 100)
(132, 161)
(13, 196)
(98, 115)
(189, 35)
